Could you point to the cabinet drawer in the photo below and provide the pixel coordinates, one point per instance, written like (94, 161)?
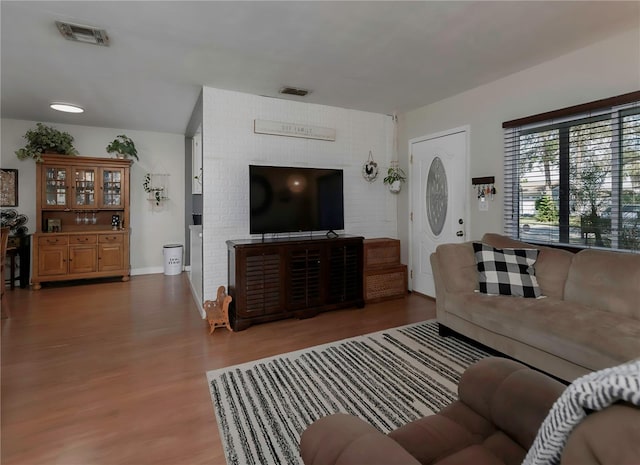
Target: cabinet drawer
(385, 283)
(53, 240)
(381, 252)
(83, 239)
(110, 238)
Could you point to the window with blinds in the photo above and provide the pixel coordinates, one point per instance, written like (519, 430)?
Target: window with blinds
(572, 176)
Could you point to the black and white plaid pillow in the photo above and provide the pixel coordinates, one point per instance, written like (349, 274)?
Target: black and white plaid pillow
(506, 271)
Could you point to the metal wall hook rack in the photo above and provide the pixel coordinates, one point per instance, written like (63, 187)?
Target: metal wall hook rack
(485, 186)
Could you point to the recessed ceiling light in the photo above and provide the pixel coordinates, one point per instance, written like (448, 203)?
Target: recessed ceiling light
(86, 34)
(66, 107)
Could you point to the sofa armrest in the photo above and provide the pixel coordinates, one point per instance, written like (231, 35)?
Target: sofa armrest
(496, 387)
(345, 439)
(456, 267)
(611, 435)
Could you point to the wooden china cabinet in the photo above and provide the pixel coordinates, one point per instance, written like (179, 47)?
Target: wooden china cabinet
(82, 219)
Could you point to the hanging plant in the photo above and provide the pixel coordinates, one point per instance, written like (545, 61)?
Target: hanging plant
(45, 139)
(395, 177)
(123, 146)
(156, 192)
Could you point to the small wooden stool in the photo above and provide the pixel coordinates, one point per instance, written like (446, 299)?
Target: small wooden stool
(218, 310)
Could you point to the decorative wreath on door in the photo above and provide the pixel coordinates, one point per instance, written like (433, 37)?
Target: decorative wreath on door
(370, 169)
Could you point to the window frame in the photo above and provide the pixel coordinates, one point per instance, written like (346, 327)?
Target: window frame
(614, 109)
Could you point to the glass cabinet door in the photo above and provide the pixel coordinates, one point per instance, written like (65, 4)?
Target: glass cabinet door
(84, 187)
(55, 187)
(112, 179)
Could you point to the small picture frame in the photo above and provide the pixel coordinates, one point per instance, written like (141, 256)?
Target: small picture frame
(8, 187)
(54, 225)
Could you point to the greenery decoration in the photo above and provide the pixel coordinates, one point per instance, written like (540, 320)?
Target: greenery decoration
(156, 191)
(394, 174)
(45, 139)
(124, 146)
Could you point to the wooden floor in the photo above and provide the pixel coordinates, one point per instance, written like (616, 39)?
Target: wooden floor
(114, 373)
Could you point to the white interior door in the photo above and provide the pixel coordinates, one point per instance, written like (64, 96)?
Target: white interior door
(438, 199)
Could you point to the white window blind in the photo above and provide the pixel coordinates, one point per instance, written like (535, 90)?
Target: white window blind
(572, 176)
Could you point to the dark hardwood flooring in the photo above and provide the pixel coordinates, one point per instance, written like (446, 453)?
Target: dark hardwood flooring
(114, 373)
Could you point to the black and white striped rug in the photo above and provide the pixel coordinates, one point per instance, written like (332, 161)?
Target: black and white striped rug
(388, 378)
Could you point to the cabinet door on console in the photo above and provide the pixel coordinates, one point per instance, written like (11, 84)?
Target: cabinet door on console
(259, 289)
(53, 253)
(345, 277)
(82, 253)
(83, 187)
(52, 260)
(304, 277)
(55, 187)
(112, 191)
(110, 252)
(82, 259)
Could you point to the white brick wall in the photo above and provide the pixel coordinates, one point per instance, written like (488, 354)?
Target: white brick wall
(230, 146)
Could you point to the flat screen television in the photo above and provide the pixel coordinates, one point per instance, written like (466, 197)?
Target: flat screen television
(287, 199)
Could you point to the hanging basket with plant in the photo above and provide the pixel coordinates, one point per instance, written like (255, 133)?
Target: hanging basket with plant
(123, 147)
(46, 139)
(156, 194)
(395, 177)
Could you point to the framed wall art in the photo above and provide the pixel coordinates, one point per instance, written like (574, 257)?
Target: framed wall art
(54, 225)
(8, 188)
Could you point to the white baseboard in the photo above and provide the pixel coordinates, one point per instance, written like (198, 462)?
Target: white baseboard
(150, 270)
(160, 270)
(194, 294)
(153, 270)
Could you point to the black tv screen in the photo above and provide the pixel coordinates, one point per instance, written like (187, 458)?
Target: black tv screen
(288, 199)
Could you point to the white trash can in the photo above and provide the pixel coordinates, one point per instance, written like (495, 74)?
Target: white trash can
(172, 259)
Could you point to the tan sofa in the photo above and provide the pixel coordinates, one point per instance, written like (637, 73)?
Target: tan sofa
(589, 318)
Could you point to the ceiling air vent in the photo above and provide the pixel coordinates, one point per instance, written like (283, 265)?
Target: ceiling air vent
(80, 33)
(294, 91)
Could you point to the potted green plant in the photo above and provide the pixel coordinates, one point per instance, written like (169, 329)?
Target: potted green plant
(394, 179)
(123, 147)
(46, 139)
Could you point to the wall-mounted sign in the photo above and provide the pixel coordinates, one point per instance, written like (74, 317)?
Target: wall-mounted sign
(278, 128)
(8, 188)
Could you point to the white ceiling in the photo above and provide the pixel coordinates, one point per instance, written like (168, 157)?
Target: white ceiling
(382, 57)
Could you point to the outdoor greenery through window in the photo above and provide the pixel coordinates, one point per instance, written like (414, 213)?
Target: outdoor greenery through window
(575, 178)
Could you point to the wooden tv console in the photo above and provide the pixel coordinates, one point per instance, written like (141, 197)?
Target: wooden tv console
(300, 277)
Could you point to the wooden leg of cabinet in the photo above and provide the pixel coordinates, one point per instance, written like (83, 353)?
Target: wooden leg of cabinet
(240, 325)
(125, 278)
(36, 286)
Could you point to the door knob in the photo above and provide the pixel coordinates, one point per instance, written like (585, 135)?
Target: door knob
(460, 221)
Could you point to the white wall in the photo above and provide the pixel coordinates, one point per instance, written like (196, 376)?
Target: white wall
(604, 69)
(230, 146)
(152, 227)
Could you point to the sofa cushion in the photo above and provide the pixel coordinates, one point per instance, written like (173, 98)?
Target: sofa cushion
(608, 281)
(585, 336)
(552, 266)
(506, 271)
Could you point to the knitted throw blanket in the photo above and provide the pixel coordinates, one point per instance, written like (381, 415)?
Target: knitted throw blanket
(591, 392)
